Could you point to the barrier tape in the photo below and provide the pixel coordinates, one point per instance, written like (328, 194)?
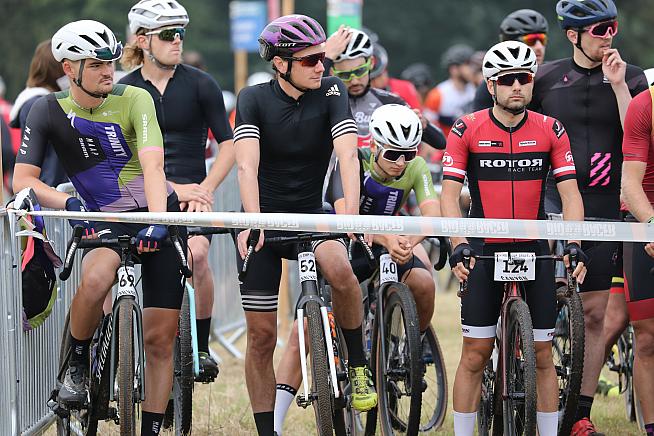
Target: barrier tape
(425, 226)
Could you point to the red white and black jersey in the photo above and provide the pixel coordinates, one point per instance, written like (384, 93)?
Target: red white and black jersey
(507, 166)
(638, 140)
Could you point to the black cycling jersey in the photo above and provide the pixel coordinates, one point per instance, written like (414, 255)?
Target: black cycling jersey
(191, 103)
(584, 101)
(483, 99)
(295, 140)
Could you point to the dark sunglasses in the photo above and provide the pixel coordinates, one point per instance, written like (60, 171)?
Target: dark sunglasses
(105, 53)
(169, 34)
(510, 78)
(532, 38)
(309, 60)
(392, 155)
(358, 72)
(603, 30)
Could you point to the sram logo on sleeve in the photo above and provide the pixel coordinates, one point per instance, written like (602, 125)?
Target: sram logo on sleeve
(558, 128)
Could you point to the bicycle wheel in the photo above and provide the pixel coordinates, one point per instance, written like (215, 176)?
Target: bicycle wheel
(63, 422)
(126, 368)
(434, 398)
(183, 370)
(520, 356)
(487, 401)
(320, 387)
(399, 369)
(568, 353)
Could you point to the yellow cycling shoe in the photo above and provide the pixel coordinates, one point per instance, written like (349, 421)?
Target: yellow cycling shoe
(364, 396)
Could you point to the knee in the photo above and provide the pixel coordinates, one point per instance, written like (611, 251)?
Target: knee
(644, 343)
(594, 319)
(199, 256)
(342, 278)
(544, 359)
(261, 342)
(95, 284)
(159, 343)
(474, 357)
(423, 288)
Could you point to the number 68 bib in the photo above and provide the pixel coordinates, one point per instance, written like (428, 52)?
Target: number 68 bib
(515, 267)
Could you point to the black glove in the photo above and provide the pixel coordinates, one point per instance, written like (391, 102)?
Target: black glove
(458, 254)
(73, 204)
(574, 249)
(151, 236)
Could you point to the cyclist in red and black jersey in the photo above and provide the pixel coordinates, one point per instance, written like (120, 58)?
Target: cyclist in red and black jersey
(638, 192)
(589, 93)
(506, 153)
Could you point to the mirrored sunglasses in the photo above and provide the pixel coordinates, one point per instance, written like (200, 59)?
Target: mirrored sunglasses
(532, 38)
(393, 155)
(169, 34)
(309, 60)
(359, 72)
(510, 78)
(603, 30)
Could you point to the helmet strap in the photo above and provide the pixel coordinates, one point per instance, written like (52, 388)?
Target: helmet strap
(155, 61)
(287, 77)
(505, 108)
(578, 45)
(78, 82)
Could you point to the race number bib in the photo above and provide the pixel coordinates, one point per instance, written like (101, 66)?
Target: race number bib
(388, 269)
(126, 281)
(307, 265)
(515, 267)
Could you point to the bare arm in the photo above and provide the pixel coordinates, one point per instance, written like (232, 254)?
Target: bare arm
(247, 160)
(450, 193)
(221, 166)
(345, 147)
(429, 208)
(152, 163)
(26, 175)
(573, 205)
(633, 173)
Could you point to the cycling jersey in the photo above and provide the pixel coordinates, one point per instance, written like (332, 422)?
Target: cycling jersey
(98, 147)
(191, 103)
(584, 101)
(406, 90)
(507, 167)
(445, 103)
(638, 143)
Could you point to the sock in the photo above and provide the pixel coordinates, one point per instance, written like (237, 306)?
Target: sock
(151, 423)
(354, 342)
(649, 429)
(283, 400)
(584, 406)
(204, 329)
(265, 422)
(79, 350)
(464, 423)
(548, 423)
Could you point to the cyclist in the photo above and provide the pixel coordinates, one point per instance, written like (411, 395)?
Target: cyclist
(589, 93)
(188, 102)
(108, 140)
(283, 138)
(419, 74)
(390, 171)
(638, 191)
(506, 152)
(352, 65)
(524, 25)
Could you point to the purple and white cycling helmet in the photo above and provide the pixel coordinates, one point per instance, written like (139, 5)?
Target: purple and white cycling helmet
(289, 34)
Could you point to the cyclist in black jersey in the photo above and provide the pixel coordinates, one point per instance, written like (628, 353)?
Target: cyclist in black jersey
(188, 103)
(108, 140)
(524, 25)
(285, 132)
(589, 94)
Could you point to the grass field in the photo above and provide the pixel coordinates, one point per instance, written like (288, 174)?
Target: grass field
(222, 408)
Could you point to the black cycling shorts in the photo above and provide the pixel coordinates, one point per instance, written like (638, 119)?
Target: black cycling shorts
(364, 271)
(601, 265)
(638, 281)
(481, 304)
(163, 283)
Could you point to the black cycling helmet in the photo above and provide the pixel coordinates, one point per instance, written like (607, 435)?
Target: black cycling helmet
(576, 14)
(380, 60)
(458, 54)
(371, 34)
(522, 22)
(419, 74)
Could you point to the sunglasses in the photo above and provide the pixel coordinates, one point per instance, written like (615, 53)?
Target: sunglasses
(603, 30)
(357, 73)
(309, 60)
(105, 53)
(392, 155)
(510, 78)
(169, 34)
(532, 38)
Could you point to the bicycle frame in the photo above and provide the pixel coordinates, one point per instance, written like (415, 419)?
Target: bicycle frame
(194, 328)
(385, 281)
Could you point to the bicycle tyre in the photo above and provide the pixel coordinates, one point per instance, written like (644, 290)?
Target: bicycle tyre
(568, 346)
(320, 385)
(126, 368)
(63, 423)
(487, 401)
(402, 347)
(519, 408)
(183, 370)
(436, 419)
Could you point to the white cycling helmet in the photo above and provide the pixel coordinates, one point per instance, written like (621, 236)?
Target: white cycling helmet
(359, 46)
(259, 77)
(153, 14)
(85, 39)
(508, 56)
(397, 126)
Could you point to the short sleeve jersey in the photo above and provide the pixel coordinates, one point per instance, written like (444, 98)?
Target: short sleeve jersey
(98, 148)
(295, 140)
(638, 141)
(363, 106)
(191, 103)
(507, 167)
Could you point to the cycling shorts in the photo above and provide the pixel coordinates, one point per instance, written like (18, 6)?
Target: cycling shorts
(363, 270)
(260, 287)
(638, 281)
(163, 283)
(601, 265)
(617, 281)
(204, 236)
(481, 304)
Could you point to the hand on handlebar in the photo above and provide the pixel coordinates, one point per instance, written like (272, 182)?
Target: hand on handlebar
(149, 239)
(457, 261)
(73, 204)
(243, 239)
(578, 262)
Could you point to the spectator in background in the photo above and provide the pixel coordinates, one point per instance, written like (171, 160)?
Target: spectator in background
(420, 75)
(448, 100)
(8, 159)
(195, 59)
(45, 75)
(5, 110)
(379, 78)
(476, 62)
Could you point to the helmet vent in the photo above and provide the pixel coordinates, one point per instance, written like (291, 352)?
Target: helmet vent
(89, 40)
